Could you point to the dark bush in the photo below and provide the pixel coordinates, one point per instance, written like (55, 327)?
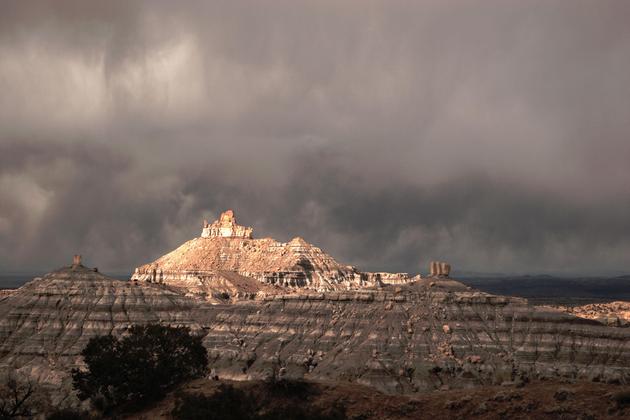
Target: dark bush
(228, 403)
(622, 398)
(68, 414)
(289, 388)
(125, 374)
(277, 400)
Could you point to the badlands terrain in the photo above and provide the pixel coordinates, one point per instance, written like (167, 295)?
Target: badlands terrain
(272, 309)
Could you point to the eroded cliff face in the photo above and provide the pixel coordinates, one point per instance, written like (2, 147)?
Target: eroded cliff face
(325, 320)
(417, 337)
(45, 324)
(400, 339)
(213, 265)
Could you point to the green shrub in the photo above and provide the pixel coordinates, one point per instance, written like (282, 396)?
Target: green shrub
(128, 373)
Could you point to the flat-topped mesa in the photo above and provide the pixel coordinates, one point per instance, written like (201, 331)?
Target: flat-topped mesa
(226, 227)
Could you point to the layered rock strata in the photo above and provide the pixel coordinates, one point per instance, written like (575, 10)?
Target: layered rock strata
(45, 324)
(4, 293)
(400, 339)
(226, 227)
(205, 266)
(423, 336)
(611, 313)
(384, 278)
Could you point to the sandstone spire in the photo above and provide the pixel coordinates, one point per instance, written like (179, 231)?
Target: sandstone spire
(433, 268)
(439, 269)
(76, 261)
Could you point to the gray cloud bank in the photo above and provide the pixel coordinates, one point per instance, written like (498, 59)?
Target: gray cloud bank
(491, 134)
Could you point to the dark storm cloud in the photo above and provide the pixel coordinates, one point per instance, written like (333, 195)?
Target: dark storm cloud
(491, 134)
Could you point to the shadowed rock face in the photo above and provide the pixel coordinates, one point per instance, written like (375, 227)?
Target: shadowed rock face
(46, 323)
(202, 266)
(416, 337)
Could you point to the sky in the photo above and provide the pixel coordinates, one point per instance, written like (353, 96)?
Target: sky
(494, 135)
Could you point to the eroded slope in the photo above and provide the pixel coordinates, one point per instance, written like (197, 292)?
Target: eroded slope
(427, 335)
(46, 323)
(411, 338)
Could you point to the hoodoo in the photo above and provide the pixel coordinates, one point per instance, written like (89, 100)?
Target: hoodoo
(439, 269)
(227, 262)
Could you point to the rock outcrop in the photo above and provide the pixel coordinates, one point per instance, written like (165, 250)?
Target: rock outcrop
(45, 324)
(439, 269)
(207, 266)
(226, 227)
(4, 293)
(384, 278)
(611, 313)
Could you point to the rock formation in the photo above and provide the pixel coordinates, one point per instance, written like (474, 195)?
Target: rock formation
(46, 323)
(420, 336)
(399, 339)
(76, 261)
(226, 227)
(384, 278)
(611, 313)
(439, 269)
(226, 256)
(4, 293)
(342, 325)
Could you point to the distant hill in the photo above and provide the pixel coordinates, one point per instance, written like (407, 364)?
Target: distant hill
(539, 289)
(559, 290)
(13, 281)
